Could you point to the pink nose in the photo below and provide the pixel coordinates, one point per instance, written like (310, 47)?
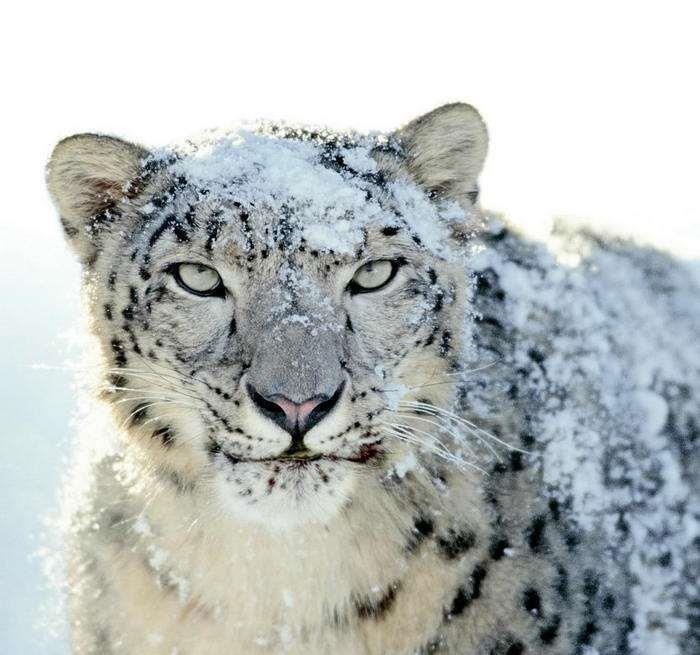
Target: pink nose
(297, 413)
(295, 418)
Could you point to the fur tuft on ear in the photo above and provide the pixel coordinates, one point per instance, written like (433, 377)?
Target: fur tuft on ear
(444, 151)
(87, 175)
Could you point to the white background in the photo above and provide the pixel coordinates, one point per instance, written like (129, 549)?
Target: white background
(593, 110)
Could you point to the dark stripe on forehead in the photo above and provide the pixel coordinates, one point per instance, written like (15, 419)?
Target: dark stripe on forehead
(170, 222)
(213, 229)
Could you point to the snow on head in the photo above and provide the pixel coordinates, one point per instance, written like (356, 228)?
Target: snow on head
(326, 186)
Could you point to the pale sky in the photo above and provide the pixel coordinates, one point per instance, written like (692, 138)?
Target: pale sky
(592, 106)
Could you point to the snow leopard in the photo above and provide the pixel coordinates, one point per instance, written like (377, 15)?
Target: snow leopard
(342, 409)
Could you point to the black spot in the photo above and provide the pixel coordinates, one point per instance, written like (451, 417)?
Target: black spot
(166, 435)
(144, 273)
(170, 222)
(562, 582)
(431, 337)
(467, 594)
(591, 583)
(108, 312)
(666, 559)
(549, 633)
(609, 602)
(534, 534)
(423, 527)
(554, 509)
(232, 327)
(515, 649)
(348, 325)
(446, 342)
(70, 231)
(527, 439)
(111, 279)
(128, 313)
(483, 284)
(572, 539)
(455, 543)
(535, 355)
(516, 461)
(376, 609)
(621, 524)
(498, 548)
(489, 320)
(587, 631)
(139, 415)
(390, 231)
(532, 602)
(118, 381)
(159, 201)
(133, 295)
(119, 352)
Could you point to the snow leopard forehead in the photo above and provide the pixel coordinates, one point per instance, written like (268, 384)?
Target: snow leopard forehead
(298, 188)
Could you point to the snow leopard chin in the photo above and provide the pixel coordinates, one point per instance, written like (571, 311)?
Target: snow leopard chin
(285, 495)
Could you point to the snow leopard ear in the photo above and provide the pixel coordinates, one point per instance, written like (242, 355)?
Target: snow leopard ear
(87, 176)
(443, 151)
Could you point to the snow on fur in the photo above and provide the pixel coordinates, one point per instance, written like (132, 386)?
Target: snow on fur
(593, 345)
(602, 359)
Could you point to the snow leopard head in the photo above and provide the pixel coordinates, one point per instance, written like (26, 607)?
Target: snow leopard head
(268, 301)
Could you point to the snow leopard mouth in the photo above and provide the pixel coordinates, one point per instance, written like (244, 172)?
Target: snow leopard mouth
(369, 452)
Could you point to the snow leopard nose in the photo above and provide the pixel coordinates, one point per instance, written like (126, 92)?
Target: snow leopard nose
(295, 418)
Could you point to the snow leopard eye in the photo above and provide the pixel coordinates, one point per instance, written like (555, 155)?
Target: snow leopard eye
(372, 276)
(198, 279)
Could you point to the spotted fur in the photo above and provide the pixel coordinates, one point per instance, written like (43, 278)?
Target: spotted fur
(207, 529)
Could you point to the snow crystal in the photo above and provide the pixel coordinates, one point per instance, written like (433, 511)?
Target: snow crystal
(393, 395)
(142, 527)
(405, 465)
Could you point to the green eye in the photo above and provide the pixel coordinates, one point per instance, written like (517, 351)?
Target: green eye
(372, 276)
(198, 279)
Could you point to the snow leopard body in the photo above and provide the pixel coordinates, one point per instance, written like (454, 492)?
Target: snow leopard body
(509, 465)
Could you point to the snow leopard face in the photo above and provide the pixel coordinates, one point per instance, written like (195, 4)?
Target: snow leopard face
(266, 300)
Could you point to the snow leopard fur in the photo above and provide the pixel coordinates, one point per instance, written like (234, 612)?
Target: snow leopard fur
(494, 448)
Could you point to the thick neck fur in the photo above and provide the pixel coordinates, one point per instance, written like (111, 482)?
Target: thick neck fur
(185, 570)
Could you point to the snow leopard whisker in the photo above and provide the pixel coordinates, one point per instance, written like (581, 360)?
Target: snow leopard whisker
(403, 435)
(420, 436)
(114, 389)
(157, 382)
(187, 379)
(407, 438)
(131, 370)
(452, 376)
(467, 371)
(444, 417)
(163, 399)
(140, 408)
(140, 373)
(442, 425)
(463, 421)
(433, 439)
